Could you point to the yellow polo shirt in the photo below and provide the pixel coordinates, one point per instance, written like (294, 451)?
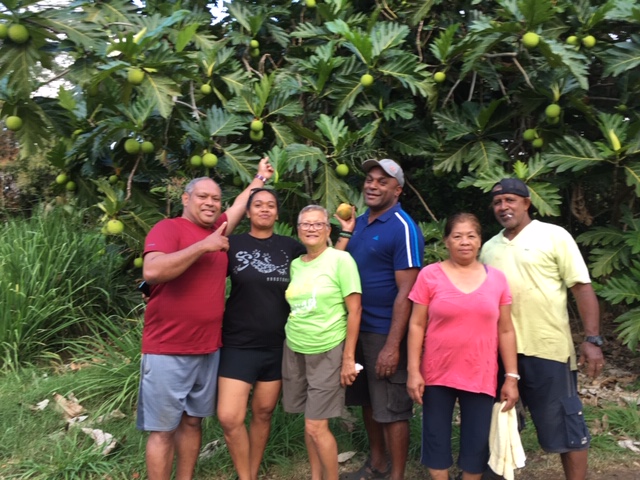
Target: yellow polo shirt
(540, 263)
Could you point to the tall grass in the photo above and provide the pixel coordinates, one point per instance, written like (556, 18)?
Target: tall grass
(112, 353)
(55, 277)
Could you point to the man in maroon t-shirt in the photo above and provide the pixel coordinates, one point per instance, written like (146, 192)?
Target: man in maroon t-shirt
(185, 263)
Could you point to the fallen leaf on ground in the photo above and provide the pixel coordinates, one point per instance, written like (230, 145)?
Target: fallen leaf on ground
(345, 456)
(102, 439)
(210, 449)
(40, 405)
(114, 415)
(70, 407)
(630, 445)
(79, 419)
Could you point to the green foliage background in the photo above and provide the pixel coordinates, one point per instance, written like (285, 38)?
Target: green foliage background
(454, 139)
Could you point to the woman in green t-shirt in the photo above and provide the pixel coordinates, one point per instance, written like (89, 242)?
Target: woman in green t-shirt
(321, 334)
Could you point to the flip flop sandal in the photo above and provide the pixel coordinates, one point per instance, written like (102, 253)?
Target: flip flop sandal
(367, 472)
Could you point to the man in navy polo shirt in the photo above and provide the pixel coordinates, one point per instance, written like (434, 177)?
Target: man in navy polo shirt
(388, 248)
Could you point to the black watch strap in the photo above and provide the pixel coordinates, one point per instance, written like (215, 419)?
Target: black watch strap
(595, 339)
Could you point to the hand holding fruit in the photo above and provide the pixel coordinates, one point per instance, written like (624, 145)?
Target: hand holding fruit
(346, 216)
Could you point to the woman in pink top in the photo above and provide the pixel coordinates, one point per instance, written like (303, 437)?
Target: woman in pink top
(461, 319)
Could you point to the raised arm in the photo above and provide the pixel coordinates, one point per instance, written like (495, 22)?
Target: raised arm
(236, 211)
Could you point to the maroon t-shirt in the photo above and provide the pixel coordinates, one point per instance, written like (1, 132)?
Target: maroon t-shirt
(184, 315)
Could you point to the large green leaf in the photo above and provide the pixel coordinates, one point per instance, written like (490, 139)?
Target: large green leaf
(331, 190)
(308, 30)
(356, 41)
(408, 71)
(454, 123)
(441, 46)
(302, 156)
(240, 13)
(561, 55)
(16, 64)
(632, 175)
(333, 128)
(536, 12)
(387, 35)
(622, 56)
(573, 153)
(220, 123)
(622, 289)
(79, 32)
(629, 329)
(422, 12)
(107, 13)
(623, 10)
(161, 91)
(601, 235)
(240, 161)
(545, 198)
(283, 134)
(604, 260)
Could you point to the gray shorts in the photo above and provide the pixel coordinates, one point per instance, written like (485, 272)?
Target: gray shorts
(311, 383)
(171, 385)
(387, 397)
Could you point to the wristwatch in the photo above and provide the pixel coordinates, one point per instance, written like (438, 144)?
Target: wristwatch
(595, 339)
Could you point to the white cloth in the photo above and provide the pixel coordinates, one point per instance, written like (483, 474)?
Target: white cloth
(505, 447)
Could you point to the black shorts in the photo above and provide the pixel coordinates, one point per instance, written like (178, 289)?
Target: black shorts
(251, 365)
(549, 391)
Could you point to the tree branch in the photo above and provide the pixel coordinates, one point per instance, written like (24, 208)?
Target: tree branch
(130, 179)
(418, 33)
(526, 77)
(449, 95)
(473, 85)
(424, 204)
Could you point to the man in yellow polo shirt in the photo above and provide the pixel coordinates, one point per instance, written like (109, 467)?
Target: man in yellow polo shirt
(541, 261)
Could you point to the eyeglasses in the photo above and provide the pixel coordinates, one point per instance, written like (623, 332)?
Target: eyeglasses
(315, 226)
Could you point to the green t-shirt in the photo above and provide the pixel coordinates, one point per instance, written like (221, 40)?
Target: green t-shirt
(318, 318)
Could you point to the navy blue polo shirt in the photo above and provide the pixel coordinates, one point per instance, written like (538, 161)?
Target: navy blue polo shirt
(391, 242)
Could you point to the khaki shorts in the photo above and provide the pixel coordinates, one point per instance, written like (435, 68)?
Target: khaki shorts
(311, 383)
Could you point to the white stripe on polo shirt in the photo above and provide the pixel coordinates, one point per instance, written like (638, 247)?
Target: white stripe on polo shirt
(407, 239)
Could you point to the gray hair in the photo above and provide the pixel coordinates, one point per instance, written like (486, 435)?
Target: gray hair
(192, 184)
(317, 208)
(314, 208)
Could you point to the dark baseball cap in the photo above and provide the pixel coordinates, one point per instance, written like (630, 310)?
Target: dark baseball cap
(514, 186)
(389, 166)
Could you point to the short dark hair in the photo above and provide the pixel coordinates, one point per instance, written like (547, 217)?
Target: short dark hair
(258, 190)
(456, 218)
